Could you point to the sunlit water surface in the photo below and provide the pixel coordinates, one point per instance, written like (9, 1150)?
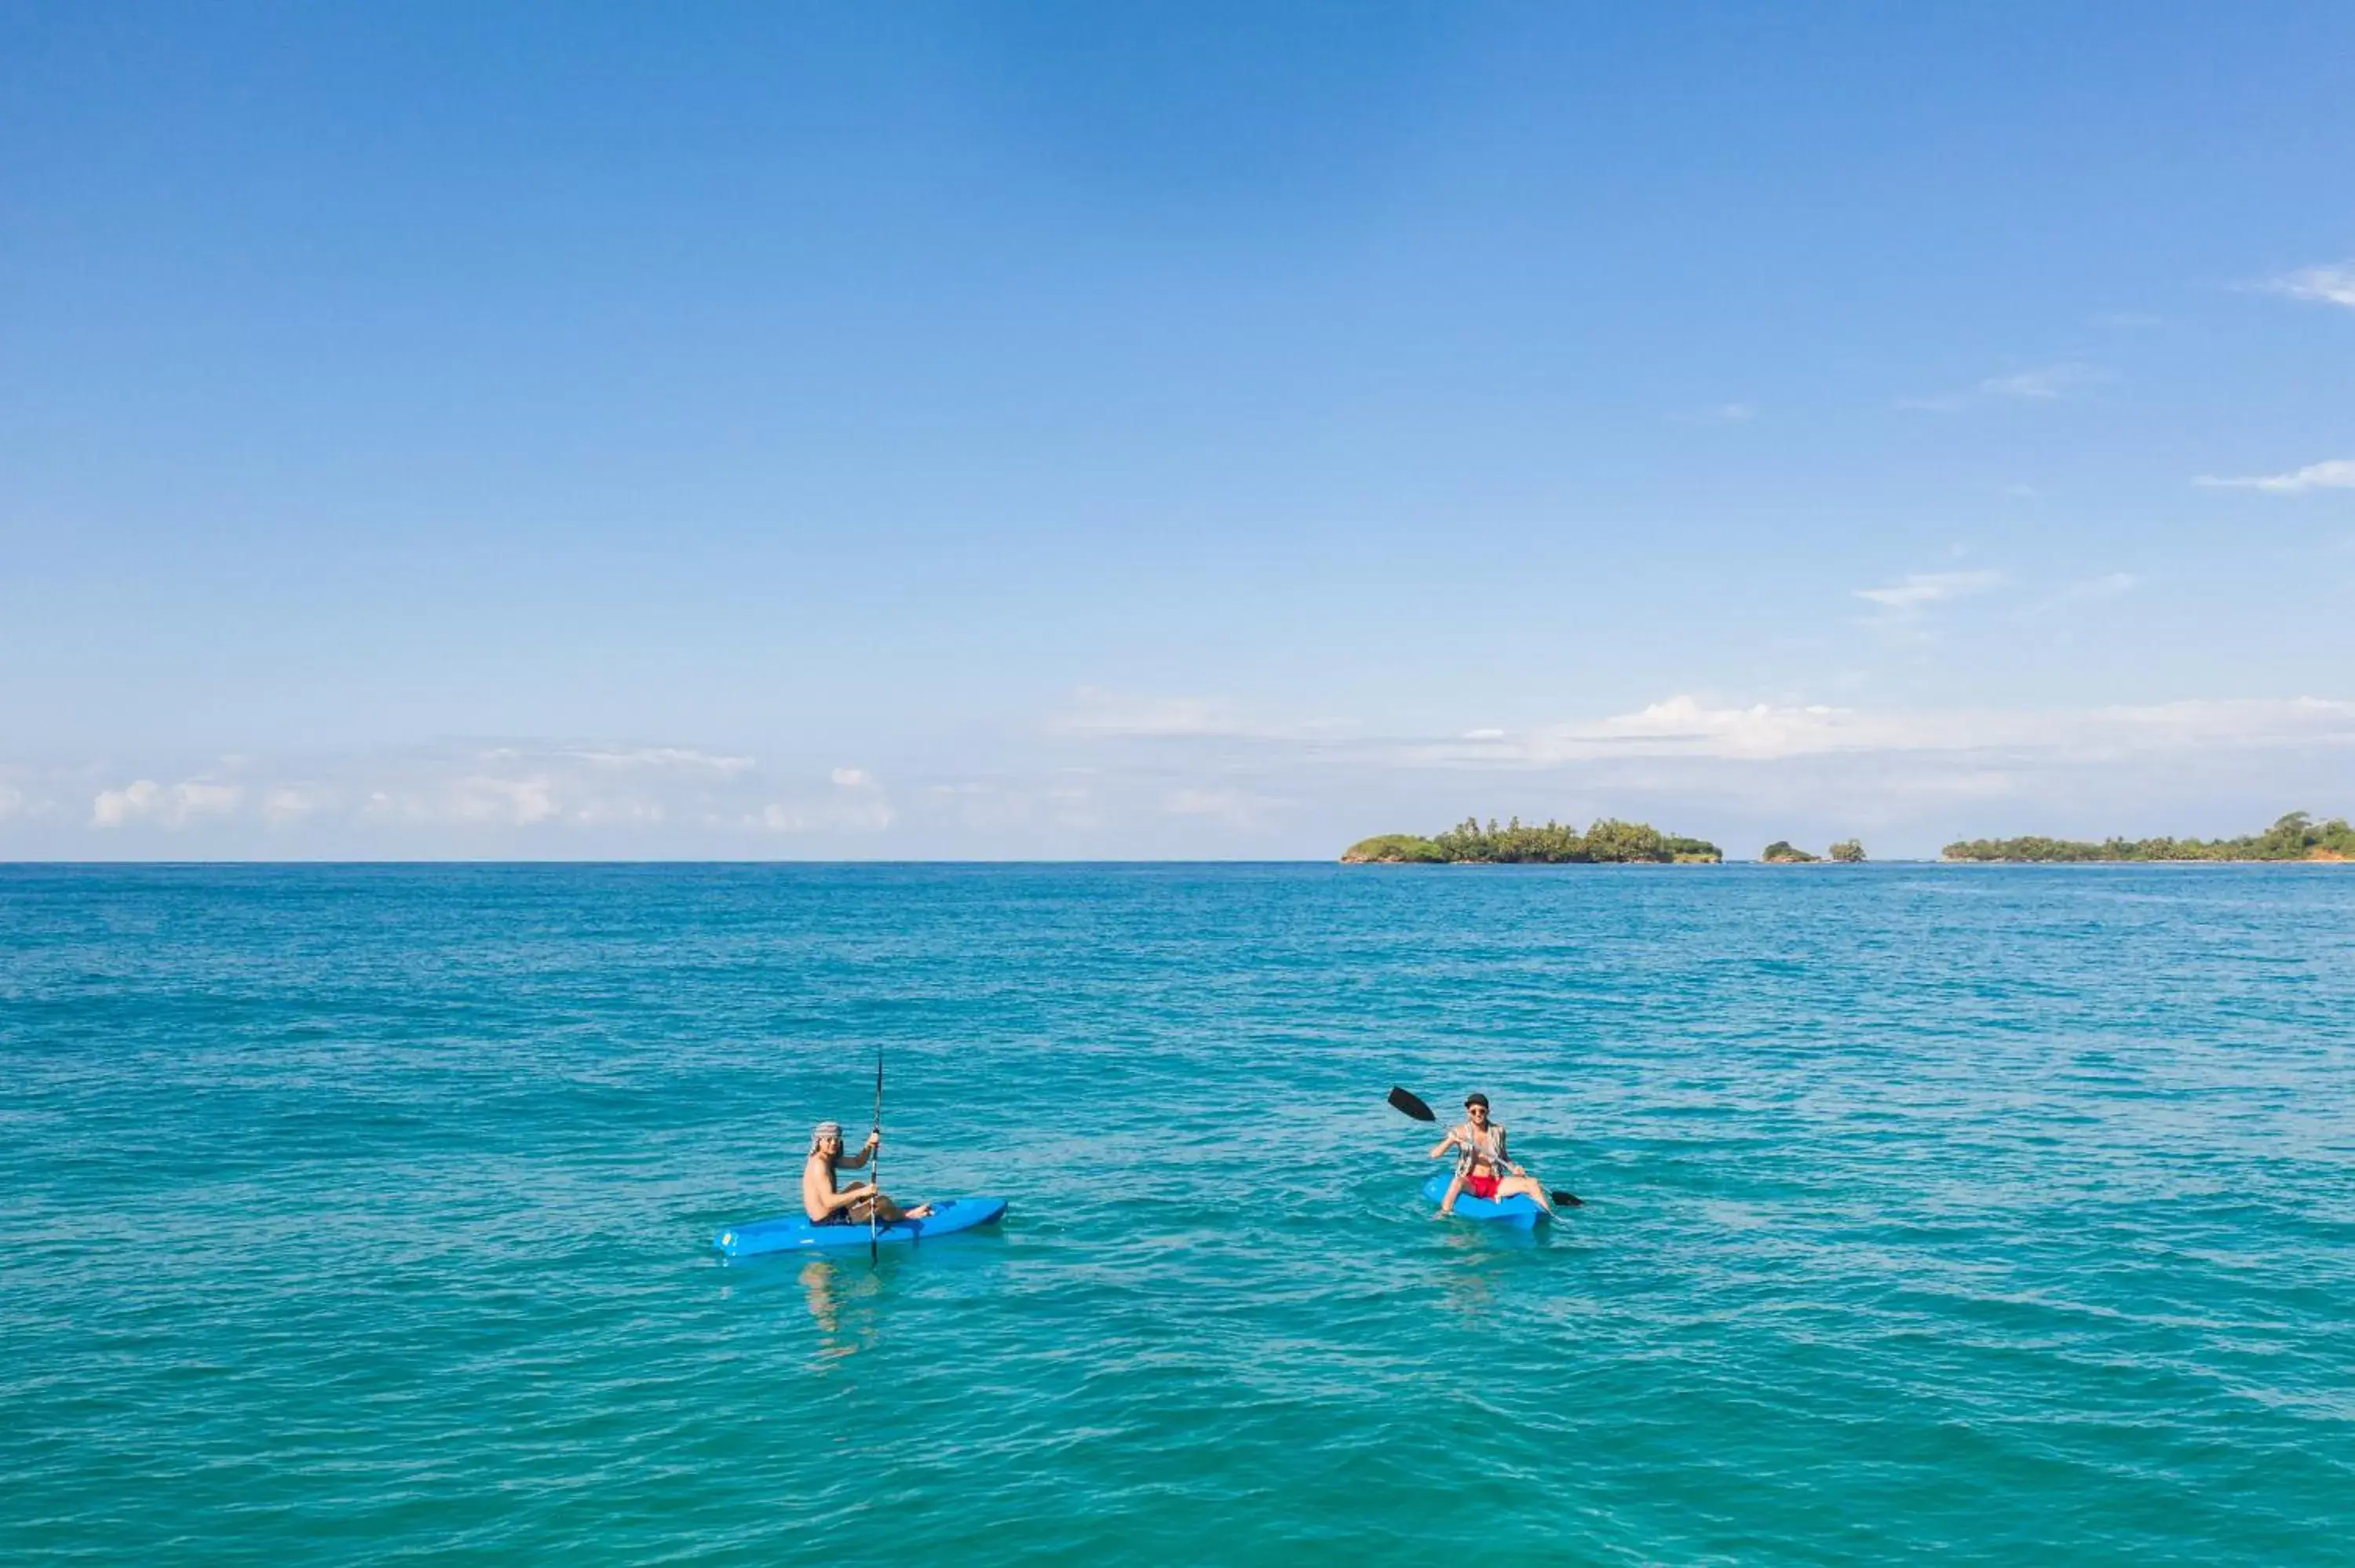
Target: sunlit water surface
(363, 1213)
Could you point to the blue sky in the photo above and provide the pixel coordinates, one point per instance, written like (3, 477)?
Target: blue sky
(752, 430)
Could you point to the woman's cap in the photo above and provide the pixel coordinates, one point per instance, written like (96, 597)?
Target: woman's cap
(1475, 1098)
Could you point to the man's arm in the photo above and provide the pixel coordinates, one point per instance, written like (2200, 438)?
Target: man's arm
(1444, 1145)
(849, 1195)
(820, 1198)
(866, 1152)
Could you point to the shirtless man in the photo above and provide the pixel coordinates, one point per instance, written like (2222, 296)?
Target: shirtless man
(827, 1205)
(1481, 1163)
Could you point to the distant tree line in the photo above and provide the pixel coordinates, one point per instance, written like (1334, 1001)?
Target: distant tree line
(1782, 852)
(1518, 843)
(2295, 837)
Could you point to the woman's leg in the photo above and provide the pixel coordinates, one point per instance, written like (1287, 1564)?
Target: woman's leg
(1455, 1190)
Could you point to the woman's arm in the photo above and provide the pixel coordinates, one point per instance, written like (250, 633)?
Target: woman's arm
(1444, 1145)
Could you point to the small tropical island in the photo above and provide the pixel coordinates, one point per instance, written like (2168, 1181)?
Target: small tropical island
(1782, 851)
(1608, 843)
(2295, 837)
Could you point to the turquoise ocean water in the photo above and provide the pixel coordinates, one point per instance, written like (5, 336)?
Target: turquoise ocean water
(1985, 1214)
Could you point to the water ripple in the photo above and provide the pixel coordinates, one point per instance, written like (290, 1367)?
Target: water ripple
(362, 1214)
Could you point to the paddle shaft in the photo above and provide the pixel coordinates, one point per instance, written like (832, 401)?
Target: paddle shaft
(874, 1167)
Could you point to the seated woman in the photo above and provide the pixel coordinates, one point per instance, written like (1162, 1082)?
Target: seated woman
(827, 1205)
(1482, 1167)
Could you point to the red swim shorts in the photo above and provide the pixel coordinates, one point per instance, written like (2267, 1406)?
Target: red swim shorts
(1481, 1186)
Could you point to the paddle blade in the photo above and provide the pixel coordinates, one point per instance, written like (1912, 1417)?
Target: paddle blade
(1412, 1106)
(1567, 1200)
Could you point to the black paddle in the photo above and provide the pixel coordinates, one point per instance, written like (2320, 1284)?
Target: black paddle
(1412, 1106)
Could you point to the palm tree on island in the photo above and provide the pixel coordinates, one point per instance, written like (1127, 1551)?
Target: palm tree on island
(1607, 841)
(2296, 836)
(1782, 851)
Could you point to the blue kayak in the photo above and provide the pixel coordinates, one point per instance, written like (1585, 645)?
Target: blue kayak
(790, 1232)
(1520, 1211)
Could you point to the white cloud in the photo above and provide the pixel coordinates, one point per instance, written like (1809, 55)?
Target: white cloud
(1682, 725)
(15, 798)
(2051, 381)
(868, 815)
(858, 805)
(2108, 586)
(143, 799)
(403, 799)
(1682, 761)
(206, 800)
(1919, 589)
(502, 786)
(286, 803)
(619, 813)
(2252, 722)
(518, 802)
(2042, 384)
(1094, 711)
(1720, 414)
(2330, 285)
(1685, 726)
(115, 807)
(2339, 473)
(684, 758)
(1233, 805)
(546, 787)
